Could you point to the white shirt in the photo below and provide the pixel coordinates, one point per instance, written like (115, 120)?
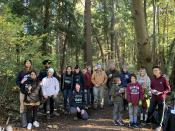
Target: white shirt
(50, 86)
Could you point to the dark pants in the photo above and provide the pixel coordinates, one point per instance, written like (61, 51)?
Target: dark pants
(73, 111)
(66, 93)
(50, 102)
(161, 111)
(89, 96)
(125, 102)
(31, 113)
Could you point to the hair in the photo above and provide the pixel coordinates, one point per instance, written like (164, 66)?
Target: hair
(69, 67)
(133, 75)
(115, 78)
(27, 61)
(156, 67)
(34, 72)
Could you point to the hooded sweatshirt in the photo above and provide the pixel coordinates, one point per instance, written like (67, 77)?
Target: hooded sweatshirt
(134, 93)
(78, 78)
(162, 85)
(66, 81)
(77, 99)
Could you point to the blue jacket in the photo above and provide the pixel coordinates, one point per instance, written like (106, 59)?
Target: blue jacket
(125, 78)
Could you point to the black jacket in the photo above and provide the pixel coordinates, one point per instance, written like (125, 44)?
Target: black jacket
(78, 78)
(66, 81)
(77, 99)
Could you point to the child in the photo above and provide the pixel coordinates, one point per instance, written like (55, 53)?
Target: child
(134, 98)
(116, 92)
(77, 104)
(32, 99)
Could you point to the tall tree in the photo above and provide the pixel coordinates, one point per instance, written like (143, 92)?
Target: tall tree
(144, 57)
(87, 33)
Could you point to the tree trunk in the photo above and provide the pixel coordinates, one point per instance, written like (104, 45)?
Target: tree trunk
(144, 48)
(154, 32)
(46, 26)
(87, 33)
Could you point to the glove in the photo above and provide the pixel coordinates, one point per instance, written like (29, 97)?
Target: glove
(130, 104)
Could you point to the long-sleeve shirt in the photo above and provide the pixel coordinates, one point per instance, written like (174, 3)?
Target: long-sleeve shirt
(50, 86)
(99, 78)
(162, 85)
(134, 93)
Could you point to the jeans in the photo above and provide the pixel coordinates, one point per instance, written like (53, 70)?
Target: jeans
(73, 111)
(98, 95)
(89, 96)
(66, 93)
(21, 99)
(31, 113)
(49, 105)
(133, 111)
(117, 111)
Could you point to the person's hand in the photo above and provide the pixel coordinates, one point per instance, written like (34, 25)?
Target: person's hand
(55, 95)
(110, 76)
(159, 93)
(130, 104)
(140, 102)
(29, 88)
(96, 85)
(45, 97)
(154, 92)
(78, 109)
(82, 112)
(23, 80)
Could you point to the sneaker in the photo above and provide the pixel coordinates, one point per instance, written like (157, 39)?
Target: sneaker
(158, 128)
(116, 123)
(29, 126)
(131, 125)
(36, 124)
(135, 125)
(121, 123)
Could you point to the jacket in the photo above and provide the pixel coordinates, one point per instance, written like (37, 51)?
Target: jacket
(99, 78)
(116, 95)
(125, 78)
(87, 80)
(78, 78)
(113, 74)
(66, 81)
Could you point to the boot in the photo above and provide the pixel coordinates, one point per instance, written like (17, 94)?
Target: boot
(23, 120)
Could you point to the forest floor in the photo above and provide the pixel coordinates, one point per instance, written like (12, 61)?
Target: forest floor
(100, 120)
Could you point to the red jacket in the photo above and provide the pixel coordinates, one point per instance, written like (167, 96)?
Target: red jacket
(87, 80)
(134, 93)
(162, 85)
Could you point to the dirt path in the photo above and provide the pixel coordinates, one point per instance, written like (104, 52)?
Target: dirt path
(100, 120)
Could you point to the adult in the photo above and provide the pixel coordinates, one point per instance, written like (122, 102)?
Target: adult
(125, 79)
(88, 88)
(67, 86)
(78, 77)
(32, 99)
(43, 72)
(50, 89)
(111, 73)
(99, 79)
(21, 78)
(159, 88)
(77, 104)
(144, 80)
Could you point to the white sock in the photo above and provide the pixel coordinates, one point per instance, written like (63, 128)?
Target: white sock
(141, 116)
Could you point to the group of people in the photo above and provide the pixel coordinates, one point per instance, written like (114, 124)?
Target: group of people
(84, 89)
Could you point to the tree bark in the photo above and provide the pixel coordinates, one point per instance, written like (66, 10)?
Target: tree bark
(154, 32)
(87, 33)
(144, 49)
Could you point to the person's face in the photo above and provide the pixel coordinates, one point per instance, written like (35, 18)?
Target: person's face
(33, 75)
(118, 81)
(112, 67)
(77, 70)
(125, 68)
(84, 71)
(133, 79)
(28, 64)
(50, 74)
(142, 72)
(47, 65)
(69, 70)
(89, 68)
(77, 87)
(156, 72)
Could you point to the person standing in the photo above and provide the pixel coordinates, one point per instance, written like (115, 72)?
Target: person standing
(88, 89)
(134, 96)
(67, 86)
(99, 79)
(144, 80)
(21, 78)
(125, 78)
(50, 90)
(32, 99)
(78, 77)
(111, 73)
(117, 98)
(159, 88)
